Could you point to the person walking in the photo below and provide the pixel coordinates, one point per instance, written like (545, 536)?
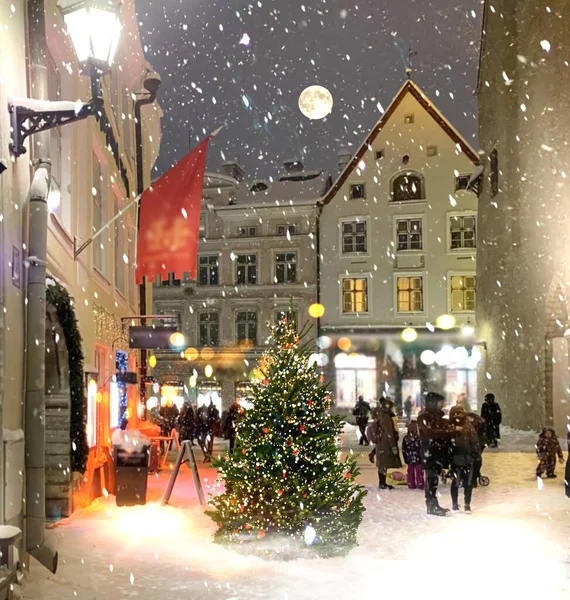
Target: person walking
(214, 422)
(478, 425)
(491, 412)
(229, 424)
(412, 451)
(465, 453)
(362, 411)
(435, 436)
(547, 448)
(408, 405)
(387, 453)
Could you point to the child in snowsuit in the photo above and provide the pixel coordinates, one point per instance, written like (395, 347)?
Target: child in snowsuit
(547, 448)
(411, 449)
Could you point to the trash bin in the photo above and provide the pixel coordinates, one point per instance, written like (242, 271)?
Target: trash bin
(131, 473)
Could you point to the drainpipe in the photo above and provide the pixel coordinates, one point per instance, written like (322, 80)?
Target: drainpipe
(151, 84)
(318, 244)
(40, 546)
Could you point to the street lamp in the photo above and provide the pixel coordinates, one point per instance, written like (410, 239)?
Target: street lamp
(94, 28)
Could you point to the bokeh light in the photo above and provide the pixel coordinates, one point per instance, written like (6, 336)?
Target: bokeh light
(191, 354)
(445, 322)
(344, 344)
(152, 361)
(177, 339)
(316, 311)
(409, 334)
(208, 370)
(207, 354)
(427, 357)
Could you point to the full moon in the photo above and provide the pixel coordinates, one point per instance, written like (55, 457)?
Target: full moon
(315, 102)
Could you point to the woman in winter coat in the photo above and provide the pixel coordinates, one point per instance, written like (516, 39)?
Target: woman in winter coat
(465, 453)
(387, 453)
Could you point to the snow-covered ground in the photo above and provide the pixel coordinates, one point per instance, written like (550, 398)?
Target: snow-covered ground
(516, 544)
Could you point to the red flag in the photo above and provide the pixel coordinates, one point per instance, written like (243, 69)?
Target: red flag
(170, 219)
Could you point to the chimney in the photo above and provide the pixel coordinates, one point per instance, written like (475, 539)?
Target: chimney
(293, 165)
(233, 169)
(344, 157)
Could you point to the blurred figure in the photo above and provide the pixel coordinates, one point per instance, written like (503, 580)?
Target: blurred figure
(408, 405)
(491, 412)
(547, 448)
(169, 413)
(229, 424)
(362, 411)
(387, 453)
(187, 423)
(213, 426)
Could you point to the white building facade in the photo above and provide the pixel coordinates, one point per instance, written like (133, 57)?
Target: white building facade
(257, 262)
(398, 249)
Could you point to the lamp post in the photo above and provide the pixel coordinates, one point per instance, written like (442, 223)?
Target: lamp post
(94, 28)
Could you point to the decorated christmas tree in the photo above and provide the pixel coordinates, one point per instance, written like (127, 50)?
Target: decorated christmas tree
(286, 476)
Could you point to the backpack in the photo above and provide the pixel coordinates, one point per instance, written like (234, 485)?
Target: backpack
(372, 432)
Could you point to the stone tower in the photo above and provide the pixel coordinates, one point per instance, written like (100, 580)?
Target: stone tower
(523, 259)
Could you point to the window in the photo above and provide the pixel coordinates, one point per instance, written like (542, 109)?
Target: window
(409, 119)
(286, 267)
(260, 186)
(431, 151)
(463, 293)
(494, 172)
(357, 191)
(246, 326)
(91, 413)
(462, 182)
(284, 229)
(355, 295)
(354, 237)
(208, 270)
(100, 245)
(462, 231)
(379, 154)
(209, 329)
(246, 269)
(171, 281)
(408, 186)
(120, 265)
(285, 314)
(410, 294)
(250, 231)
(409, 232)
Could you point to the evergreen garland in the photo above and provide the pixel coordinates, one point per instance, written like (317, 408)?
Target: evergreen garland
(59, 298)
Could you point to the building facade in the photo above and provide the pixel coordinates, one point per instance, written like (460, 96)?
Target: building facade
(93, 176)
(257, 261)
(523, 276)
(398, 250)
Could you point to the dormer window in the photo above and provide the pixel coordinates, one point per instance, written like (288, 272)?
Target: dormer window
(250, 231)
(357, 191)
(408, 186)
(259, 186)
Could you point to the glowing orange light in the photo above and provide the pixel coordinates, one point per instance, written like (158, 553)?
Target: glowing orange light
(177, 339)
(316, 311)
(344, 344)
(207, 353)
(191, 354)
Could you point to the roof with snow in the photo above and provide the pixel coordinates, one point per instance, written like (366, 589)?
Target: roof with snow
(290, 187)
(408, 88)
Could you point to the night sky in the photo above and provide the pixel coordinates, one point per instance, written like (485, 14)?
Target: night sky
(357, 49)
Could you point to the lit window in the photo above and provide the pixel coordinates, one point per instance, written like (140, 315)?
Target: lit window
(462, 232)
(92, 413)
(246, 269)
(250, 231)
(208, 270)
(463, 293)
(354, 237)
(408, 186)
(286, 267)
(409, 232)
(355, 295)
(246, 327)
(410, 294)
(357, 191)
(209, 329)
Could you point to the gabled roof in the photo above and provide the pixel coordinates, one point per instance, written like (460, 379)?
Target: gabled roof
(408, 88)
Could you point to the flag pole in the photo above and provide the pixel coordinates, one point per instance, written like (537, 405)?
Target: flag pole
(110, 222)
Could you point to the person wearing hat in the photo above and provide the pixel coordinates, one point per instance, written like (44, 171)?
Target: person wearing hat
(387, 452)
(435, 436)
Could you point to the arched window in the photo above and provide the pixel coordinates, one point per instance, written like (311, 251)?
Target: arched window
(408, 186)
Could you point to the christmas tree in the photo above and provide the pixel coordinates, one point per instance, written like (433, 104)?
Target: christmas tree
(286, 476)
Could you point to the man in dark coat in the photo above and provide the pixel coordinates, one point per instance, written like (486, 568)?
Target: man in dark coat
(435, 436)
(361, 412)
(229, 424)
(491, 412)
